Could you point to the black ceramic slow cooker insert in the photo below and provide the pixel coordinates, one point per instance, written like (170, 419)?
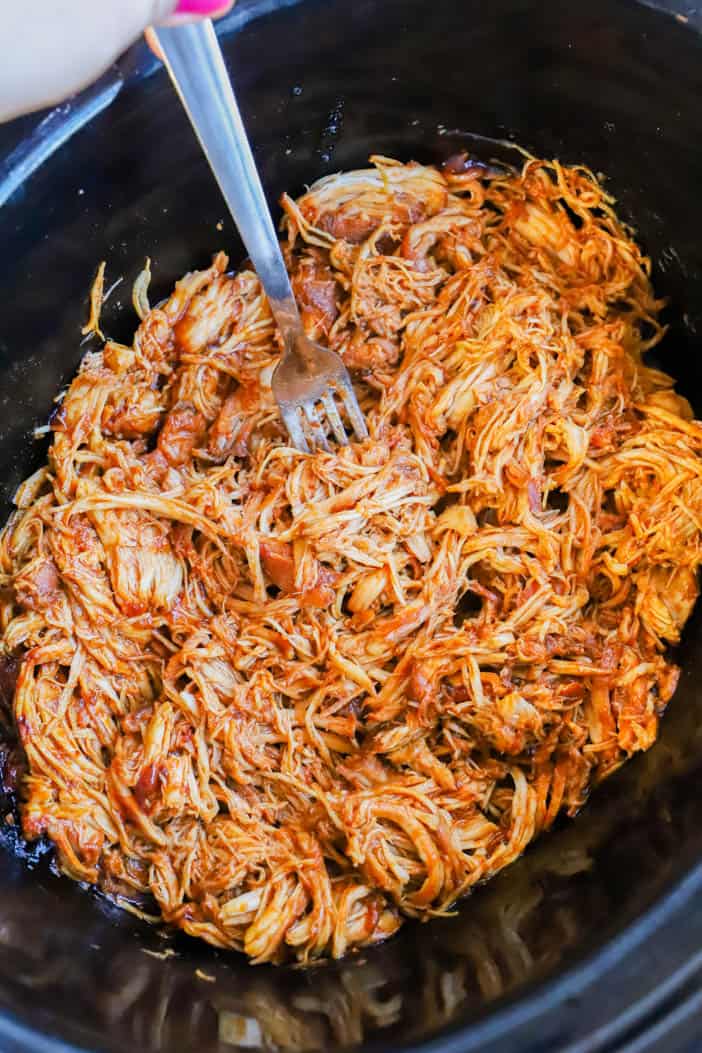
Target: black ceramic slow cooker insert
(593, 941)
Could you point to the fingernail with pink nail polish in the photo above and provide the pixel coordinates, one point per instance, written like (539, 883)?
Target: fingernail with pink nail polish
(199, 7)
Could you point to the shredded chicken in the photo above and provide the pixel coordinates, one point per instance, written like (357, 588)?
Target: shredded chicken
(282, 701)
(97, 297)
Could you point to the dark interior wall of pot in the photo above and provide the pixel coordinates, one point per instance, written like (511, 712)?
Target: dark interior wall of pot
(322, 85)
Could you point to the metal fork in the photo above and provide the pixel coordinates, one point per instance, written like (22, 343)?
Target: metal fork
(308, 378)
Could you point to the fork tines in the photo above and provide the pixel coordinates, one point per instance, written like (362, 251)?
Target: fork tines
(309, 421)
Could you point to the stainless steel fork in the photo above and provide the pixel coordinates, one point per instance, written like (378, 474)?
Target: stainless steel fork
(309, 378)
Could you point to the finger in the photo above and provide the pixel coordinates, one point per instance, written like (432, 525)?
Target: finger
(35, 72)
(190, 10)
(152, 40)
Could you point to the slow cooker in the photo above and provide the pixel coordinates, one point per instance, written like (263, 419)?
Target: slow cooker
(592, 942)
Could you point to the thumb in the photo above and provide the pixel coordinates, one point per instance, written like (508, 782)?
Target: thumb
(59, 48)
(167, 10)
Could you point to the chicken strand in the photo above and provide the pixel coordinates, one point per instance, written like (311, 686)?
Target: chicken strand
(282, 701)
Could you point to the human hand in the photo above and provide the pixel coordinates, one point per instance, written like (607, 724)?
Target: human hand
(62, 45)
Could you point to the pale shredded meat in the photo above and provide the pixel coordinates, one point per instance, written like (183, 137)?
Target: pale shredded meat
(282, 700)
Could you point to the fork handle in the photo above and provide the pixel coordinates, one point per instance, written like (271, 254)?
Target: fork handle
(196, 66)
